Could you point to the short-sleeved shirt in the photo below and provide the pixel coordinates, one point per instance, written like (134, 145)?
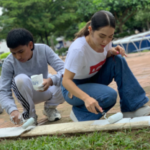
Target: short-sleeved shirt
(84, 61)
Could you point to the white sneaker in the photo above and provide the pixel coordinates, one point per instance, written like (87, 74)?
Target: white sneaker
(73, 117)
(52, 114)
(143, 111)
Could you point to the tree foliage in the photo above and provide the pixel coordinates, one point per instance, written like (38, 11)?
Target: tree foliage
(42, 17)
(143, 17)
(47, 19)
(123, 10)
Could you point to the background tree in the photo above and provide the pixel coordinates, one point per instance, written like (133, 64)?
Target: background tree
(48, 19)
(42, 17)
(123, 10)
(144, 18)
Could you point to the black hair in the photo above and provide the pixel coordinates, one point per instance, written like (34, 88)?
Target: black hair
(19, 36)
(99, 20)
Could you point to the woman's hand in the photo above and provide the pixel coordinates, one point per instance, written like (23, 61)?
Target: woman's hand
(116, 50)
(91, 105)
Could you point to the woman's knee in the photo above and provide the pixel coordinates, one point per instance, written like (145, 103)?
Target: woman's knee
(110, 99)
(119, 58)
(113, 96)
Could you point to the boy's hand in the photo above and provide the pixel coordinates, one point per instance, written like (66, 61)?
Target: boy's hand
(15, 116)
(46, 83)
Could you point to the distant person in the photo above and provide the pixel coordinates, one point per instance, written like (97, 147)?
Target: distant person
(27, 59)
(91, 65)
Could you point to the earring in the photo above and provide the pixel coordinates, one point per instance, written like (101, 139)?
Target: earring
(89, 28)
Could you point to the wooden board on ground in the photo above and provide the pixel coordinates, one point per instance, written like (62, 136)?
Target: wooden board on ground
(88, 126)
(77, 127)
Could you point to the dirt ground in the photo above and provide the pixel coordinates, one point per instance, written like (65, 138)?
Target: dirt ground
(139, 63)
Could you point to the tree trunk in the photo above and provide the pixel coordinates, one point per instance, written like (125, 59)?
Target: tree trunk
(120, 28)
(46, 37)
(148, 26)
(41, 39)
(52, 43)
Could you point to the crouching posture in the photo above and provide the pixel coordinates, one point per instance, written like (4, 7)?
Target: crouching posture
(91, 65)
(27, 59)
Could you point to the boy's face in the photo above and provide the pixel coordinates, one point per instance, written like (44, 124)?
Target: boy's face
(23, 52)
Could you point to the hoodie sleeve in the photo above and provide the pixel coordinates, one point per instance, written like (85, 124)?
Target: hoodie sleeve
(55, 62)
(6, 100)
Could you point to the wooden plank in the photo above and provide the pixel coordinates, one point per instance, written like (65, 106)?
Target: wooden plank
(81, 127)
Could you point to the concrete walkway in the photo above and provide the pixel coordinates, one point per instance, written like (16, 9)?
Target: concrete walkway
(140, 66)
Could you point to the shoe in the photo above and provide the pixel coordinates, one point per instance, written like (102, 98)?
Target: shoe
(1, 110)
(73, 117)
(35, 120)
(52, 114)
(143, 111)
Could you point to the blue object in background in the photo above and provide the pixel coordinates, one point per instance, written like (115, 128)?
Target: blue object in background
(134, 43)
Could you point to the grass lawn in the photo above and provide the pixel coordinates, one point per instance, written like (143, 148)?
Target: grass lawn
(118, 140)
(140, 51)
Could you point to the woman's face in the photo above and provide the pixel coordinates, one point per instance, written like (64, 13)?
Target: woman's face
(100, 38)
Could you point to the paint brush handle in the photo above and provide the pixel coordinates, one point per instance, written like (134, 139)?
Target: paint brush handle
(103, 113)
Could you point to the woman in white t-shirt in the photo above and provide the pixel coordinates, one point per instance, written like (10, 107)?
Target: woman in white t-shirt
(91, 65)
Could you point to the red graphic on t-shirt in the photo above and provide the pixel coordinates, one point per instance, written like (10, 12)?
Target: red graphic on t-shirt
(97, 67)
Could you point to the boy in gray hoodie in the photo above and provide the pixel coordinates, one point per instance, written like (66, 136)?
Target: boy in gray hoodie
(27, 59)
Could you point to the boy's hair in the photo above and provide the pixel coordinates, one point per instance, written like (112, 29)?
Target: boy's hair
(19, 36)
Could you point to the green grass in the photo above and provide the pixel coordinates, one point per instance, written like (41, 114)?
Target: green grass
(118, 140)
(140, 51)
(4, 55)
(145, 51)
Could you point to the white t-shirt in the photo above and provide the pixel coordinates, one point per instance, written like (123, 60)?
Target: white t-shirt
(83, 60)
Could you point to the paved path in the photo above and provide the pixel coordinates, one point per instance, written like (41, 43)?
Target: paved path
(140, 66)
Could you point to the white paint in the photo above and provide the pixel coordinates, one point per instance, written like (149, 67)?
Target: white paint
(124, 120)
(138, 119)
(13, 132)
(28, 123)
(114, 118)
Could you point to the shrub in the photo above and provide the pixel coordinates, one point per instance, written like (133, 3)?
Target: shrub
(62, 50)
(4, 55)
(123, 34)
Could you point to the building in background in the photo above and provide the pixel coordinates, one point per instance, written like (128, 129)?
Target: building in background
(3, 47)
(62, 43)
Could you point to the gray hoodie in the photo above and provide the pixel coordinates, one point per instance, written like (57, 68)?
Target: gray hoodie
(38, 64)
